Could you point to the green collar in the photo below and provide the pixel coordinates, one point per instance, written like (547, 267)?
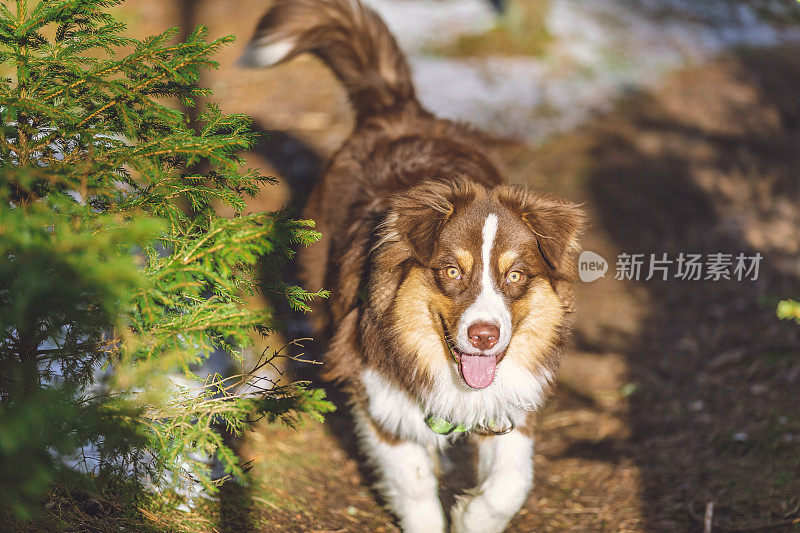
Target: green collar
(444, 427)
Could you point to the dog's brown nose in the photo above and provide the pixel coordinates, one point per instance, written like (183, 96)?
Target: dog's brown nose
(483, 335)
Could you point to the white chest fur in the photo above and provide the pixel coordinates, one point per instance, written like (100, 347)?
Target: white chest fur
(514, 392)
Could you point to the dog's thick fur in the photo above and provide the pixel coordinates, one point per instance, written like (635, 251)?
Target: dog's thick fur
(422, 244)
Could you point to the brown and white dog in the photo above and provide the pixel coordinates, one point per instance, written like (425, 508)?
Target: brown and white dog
(451, 292)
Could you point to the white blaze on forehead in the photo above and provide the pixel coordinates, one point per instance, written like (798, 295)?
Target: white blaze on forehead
(489, 306)
(489, 233)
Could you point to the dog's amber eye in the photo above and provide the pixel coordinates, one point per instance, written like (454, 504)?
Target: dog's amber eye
(453, 273)
(514, 277)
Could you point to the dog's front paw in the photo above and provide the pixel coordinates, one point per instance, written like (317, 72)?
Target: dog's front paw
(475, 514)
(423, 519)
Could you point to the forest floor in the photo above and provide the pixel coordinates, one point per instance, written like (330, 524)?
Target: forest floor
(674, 393)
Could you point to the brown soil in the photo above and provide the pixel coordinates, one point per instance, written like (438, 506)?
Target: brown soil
(676, 393)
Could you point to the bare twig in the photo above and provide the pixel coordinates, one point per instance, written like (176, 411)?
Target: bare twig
(794, 510)
(727, 358)
(732, 528)
(708, 519)
(568, 418)
(266, 502)
(585, 510)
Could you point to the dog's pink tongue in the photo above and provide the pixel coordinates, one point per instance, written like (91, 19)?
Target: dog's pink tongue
(478, 370)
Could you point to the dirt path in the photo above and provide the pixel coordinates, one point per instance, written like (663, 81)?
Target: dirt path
(676, 393)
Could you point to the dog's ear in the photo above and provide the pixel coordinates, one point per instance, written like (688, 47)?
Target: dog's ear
(556, 223)
(416, 216)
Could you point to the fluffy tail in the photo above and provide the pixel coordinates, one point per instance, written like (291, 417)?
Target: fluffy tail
(350, 38)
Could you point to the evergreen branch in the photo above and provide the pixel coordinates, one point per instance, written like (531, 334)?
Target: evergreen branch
(115, 257)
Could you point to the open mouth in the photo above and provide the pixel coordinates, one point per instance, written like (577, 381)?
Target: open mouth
(477, 371)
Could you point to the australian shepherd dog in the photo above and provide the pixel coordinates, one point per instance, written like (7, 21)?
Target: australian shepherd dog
(451, 292)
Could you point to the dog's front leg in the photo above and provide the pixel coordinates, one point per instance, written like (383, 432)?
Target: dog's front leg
(407, 479)
(505, 475)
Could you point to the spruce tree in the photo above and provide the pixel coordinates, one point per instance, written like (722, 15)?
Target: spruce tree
(115, 270)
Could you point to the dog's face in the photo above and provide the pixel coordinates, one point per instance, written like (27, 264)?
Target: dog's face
(476, 273)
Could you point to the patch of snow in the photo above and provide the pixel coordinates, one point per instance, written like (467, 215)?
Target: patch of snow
(418, 24)
(599, 50)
